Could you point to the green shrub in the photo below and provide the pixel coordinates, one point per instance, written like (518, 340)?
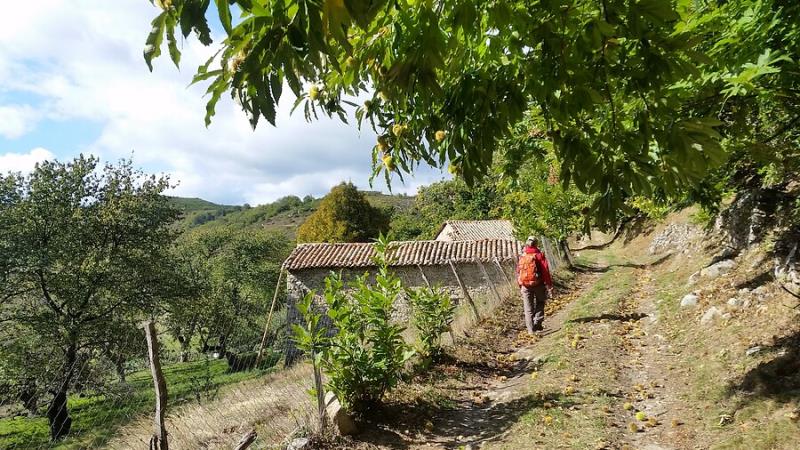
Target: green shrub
(365, 355)
(433, 315)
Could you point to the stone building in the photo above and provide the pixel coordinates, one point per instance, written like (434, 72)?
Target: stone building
(476, 273)
(475, 230)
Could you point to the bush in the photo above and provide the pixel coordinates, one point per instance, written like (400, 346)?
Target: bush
(365, 355)
(433, 314)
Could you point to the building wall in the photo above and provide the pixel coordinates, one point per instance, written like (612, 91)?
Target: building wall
(301, 281)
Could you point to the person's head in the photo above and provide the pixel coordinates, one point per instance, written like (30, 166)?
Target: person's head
(532, 241)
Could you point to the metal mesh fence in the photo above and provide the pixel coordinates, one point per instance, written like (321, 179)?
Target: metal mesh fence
(217, 390)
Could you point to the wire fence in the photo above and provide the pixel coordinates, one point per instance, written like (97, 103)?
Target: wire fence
(218, 388)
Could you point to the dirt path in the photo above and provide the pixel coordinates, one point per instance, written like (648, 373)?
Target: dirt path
(647, 371)
(601, 376)
(473, 397)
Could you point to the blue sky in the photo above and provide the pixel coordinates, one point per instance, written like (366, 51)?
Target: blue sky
(72, 80)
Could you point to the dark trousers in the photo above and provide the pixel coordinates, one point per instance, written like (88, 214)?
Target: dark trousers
(533, 299)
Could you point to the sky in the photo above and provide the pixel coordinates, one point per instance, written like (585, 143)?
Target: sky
(73, 80)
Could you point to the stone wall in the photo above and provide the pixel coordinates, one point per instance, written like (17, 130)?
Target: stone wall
(299, 282)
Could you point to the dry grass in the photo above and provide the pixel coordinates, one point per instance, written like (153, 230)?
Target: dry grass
(276, 405)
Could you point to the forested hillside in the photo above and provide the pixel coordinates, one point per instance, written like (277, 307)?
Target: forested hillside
(284, 215)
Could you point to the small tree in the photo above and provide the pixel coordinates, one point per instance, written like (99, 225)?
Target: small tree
(365, 356)
(344, 215)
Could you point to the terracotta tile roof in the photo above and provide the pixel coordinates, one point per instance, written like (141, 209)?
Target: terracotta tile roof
(407, 253)
(472, 230)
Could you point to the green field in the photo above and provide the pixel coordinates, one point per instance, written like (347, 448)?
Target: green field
(97, 417)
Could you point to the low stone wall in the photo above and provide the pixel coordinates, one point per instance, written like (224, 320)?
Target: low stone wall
(477, 283)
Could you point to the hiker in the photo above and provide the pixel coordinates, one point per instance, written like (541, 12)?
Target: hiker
(535, 284)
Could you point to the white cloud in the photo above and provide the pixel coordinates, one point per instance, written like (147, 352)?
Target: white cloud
(16, 120)
(89, 66)
(23, 162)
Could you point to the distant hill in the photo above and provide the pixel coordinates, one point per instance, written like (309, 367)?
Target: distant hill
(284, 215)
(197, 211)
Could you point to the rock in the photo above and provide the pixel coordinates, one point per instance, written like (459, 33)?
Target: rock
(717, 269)
(753, 350)
(693, 278)
(710, 315)
(338, 416)
(298, 444)
(734, 302)
(726, 316)
(673, 236)
(760, 291)
(744, 292)
(689, 300)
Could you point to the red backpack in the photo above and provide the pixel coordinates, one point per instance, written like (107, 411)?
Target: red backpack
(527, 270)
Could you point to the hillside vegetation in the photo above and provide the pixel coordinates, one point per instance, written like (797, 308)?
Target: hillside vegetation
(284, 215)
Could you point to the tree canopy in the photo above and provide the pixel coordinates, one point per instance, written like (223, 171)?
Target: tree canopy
(84, 258)
(632, 96)
(231, 276)
(344, 215)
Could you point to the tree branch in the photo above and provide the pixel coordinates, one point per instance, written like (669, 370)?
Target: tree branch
(783, 129)
(58, 309)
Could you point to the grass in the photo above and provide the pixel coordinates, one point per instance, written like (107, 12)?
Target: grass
(96, 417)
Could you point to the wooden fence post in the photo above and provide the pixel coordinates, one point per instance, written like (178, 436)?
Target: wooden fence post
(320, 388)
(464, 290)
(159, 439)
(490, 281)
(421, 272)
(503, 271)
(269, 319)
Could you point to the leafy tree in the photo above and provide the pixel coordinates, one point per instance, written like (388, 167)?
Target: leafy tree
(231, 276)
(539, 204)
(632, 95)
(442, 201)
(344, 215)
(83, 249)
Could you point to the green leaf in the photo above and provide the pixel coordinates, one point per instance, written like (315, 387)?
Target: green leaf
(172, 44)
(276, 85)
(224, 10)
(152, 48)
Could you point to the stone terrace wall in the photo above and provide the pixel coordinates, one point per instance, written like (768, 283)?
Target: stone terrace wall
(301, 281)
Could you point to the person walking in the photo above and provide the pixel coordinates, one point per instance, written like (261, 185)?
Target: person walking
(535, 284)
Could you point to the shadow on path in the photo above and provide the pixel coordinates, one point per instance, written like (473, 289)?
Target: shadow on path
(454, 426)
(631, 317)
(584, 268)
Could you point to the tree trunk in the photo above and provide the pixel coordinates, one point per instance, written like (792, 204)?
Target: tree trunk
(567, 254)
(222, 344)
(184, 348)
(57, 413)
(29, 396)
(119, 367)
